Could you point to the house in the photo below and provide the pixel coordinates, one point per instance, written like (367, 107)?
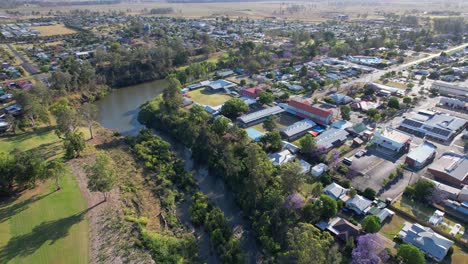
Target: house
(433, 126)
(357, 129)
(251, 92)
(359, 204)
(450, 168)
(385, 213)
(331, 138)
(303, 108)
(436, 218)
(421, 156)
(305, 166)
(336, 192)
(381, 212)
(365, 105)
(297, 129)
(340, 228)
(291, 147)
(281, 157)
(340, 98)
(258, 116)
(319, 169)
(342, 124)
(391, 139)
(448, 89)
(432, 244)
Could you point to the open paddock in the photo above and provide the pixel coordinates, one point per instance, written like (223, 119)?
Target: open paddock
(54, 30)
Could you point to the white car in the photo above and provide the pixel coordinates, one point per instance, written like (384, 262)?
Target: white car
(360, 153)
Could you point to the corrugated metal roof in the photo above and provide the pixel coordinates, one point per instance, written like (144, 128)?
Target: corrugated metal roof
(260, 114)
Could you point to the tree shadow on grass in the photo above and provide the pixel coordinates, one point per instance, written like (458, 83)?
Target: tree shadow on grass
(46, 232)
(6, 212)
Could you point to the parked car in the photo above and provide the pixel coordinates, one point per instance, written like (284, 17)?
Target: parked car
(360, 153)
(348, 161)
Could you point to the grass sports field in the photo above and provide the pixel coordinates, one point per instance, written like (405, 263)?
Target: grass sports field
(44, 226)
(206, 97)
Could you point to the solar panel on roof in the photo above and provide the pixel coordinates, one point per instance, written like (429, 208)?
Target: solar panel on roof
(439, 131)
(412, 123)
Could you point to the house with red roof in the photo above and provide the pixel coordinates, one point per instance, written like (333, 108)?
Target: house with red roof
(303, 108)
(251, 92)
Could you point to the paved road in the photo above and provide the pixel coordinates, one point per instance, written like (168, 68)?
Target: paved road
(28, 66)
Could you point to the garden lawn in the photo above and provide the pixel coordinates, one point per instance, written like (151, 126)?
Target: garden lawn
(206, 97)
(45, 226)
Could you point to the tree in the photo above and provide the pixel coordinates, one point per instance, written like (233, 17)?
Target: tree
(307, 244)
(33, 108)
(89, 114)
(55, 169)
(65, 116)
(73, 144)
(410, 254)
(369, 193)
(407, 100)
(221, 125)
(292, 177)
(327, 206)
(233, 107)
(272, 142)
(421, 190)
(371, 224)
(393, 103)
(266, 98)
(101, 174)
(345, 112)
(369, 250)
(269, 124)
(308, 144)
(294, 202)
(303, 71)
(172, 95)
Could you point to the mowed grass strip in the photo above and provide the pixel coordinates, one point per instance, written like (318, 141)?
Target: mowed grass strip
(45, 226)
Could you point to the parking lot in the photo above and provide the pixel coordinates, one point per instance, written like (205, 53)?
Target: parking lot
(370, 170)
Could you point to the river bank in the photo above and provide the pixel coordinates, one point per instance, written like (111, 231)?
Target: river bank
(119, 111)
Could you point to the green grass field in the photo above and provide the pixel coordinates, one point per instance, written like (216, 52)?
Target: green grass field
(41, 138)
(44, 226)
(41, 225)
(205, 97)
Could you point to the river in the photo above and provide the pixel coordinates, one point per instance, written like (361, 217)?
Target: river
(119, 111)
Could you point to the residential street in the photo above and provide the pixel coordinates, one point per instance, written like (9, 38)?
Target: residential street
(29, 67)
